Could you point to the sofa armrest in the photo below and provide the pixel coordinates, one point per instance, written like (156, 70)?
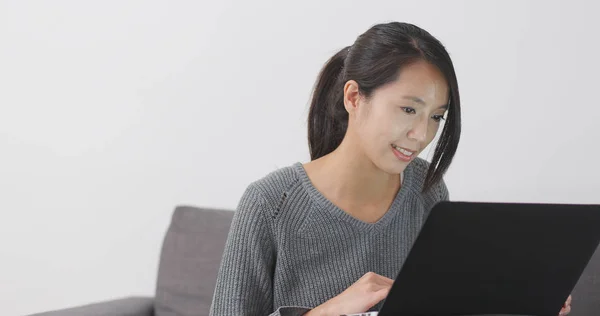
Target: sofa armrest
(129, 306)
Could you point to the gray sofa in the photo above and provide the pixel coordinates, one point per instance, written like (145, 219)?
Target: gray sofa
(189, 262)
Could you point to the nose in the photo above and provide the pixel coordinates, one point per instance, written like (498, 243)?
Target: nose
(418, 131)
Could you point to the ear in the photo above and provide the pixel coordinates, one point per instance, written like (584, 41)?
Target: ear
(351, 96)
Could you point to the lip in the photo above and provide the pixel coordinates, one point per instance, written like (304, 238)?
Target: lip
(402, 156)
(409, 149)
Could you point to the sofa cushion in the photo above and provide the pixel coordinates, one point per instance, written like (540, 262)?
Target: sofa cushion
(191, 255)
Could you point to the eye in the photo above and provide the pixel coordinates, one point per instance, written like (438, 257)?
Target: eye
(438, 118)
(409, 110)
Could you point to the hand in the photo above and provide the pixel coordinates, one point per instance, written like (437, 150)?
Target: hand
(566, 308)
(365, 293)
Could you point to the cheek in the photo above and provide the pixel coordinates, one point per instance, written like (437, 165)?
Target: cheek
(432, 130)
(384, 128)
(394, 124)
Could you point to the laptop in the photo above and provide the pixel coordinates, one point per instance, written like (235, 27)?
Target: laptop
(477, 258)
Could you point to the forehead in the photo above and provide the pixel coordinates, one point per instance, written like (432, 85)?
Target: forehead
(420, 80)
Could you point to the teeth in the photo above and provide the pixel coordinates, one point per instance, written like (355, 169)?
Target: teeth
(403, 151)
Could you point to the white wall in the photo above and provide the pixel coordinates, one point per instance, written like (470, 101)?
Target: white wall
(114, 112)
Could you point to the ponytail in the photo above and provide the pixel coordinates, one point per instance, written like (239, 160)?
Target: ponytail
(327, 118)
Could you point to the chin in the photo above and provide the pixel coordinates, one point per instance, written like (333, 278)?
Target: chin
(392, 167)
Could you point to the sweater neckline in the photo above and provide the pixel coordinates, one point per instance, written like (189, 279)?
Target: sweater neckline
(324, 203)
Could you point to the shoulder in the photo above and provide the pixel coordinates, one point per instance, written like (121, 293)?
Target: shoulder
(272, 188)
(419, 168)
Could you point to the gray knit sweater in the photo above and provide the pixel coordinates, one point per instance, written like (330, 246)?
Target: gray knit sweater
(290, 249)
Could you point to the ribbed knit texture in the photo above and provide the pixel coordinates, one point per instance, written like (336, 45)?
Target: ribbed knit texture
(290, 249)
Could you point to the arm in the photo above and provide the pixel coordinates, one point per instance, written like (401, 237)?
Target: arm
(245, 280)
(130, 306)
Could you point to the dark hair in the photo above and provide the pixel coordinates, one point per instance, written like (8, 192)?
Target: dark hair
(375, 59)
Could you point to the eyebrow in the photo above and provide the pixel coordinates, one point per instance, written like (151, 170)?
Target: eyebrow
(420, 101)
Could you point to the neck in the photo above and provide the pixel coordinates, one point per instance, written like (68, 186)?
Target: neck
(353, 178)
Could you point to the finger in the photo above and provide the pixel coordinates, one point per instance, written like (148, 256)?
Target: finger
(379, 295)
(380, 279)
(388, 281)
(385, 279)
(374, 297)
(569, 299)
(565, 311)
(375, 287)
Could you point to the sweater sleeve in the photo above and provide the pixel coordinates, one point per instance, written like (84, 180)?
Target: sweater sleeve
(245, 280)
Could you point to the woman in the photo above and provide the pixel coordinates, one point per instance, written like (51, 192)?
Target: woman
(328, 236)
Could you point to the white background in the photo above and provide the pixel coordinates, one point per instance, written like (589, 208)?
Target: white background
(114, 112)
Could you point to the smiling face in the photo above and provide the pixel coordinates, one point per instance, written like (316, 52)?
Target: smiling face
(399, 119)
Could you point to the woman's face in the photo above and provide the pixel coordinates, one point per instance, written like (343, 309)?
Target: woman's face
(399, 119)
